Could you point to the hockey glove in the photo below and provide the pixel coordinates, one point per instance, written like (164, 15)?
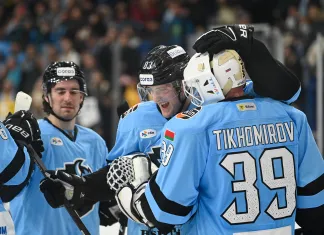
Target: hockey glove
(236, 37)
(110, 213)
(60, 185)
(129, 176)
(24, 127)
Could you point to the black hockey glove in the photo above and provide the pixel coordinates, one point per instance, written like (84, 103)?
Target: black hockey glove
(110, 213)
(24, 127)
(60, 186)
(236, 37)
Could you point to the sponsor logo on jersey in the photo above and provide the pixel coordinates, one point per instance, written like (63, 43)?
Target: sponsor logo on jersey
(65, 71)
(56, 141)
(176, 52)
(148, 133)
(146, 79)
(188, 114)
(175, 231)
(169, 135)
(132, 109)
(246, 106)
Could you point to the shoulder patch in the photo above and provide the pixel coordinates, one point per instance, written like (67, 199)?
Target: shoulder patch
(248, 106)
(148, 133)
(189, 113)
(56, 141)
(132, 109)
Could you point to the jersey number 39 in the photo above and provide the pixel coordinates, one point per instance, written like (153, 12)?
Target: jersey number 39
(266, 163)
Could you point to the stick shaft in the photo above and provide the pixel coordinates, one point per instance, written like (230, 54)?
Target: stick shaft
(38, 161)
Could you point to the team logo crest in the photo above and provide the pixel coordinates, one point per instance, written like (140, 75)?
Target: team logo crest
(78, 167)
(56, 141)
(154, 155)
(188, 114)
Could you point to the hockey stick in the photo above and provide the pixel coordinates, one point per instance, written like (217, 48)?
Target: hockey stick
(23, 102)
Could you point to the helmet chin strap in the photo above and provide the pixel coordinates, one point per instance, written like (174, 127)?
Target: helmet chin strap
(61, 118)
(182, 102)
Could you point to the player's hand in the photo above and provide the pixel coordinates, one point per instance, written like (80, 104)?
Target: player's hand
(128, 175)
(236, 37)
(60, 186)
(23, 126)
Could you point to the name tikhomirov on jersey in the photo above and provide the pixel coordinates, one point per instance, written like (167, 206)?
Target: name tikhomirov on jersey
(254, 135)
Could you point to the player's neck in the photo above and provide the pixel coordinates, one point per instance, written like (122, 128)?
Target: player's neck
(61, 124)
(186, 105)
(235, 92)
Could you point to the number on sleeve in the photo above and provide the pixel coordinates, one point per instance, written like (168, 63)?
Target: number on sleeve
(3, 134)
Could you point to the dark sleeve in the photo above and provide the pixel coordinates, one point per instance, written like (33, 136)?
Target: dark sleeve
(163, 227)
(270, 77)
(96, 188)
(311, 220)
(8, 192)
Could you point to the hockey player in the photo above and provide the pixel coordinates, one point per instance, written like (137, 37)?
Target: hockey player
(69, 148)
(140, 127)
(16, 167)
(233, 165)
(161, 77)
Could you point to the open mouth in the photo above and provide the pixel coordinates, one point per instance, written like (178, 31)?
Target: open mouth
(164, 105)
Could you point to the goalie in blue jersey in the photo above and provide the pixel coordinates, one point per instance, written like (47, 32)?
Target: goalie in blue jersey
(16, 167)
(235, 165)
(161, 76)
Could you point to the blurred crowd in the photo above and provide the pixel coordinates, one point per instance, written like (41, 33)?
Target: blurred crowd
(34, 33)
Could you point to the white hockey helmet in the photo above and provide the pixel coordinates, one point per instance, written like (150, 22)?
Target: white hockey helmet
(208, 80)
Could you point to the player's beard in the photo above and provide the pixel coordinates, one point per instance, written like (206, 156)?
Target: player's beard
(67, 111)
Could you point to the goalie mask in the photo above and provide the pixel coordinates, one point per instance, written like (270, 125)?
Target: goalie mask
(208, 79)
(162, 65)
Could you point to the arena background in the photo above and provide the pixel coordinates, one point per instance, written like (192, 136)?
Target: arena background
(108, 39)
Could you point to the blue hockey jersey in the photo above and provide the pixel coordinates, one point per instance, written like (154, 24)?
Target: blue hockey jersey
(85, 154)
(139, 130)
(8, 149)
(234, 168)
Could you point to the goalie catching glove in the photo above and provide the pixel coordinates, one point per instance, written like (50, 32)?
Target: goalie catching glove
(128, 175)
(236, 37)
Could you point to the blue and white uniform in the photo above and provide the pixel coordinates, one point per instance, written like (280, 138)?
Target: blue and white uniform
(14, 171)
(82, 154)
(139, 130)
(237, 168)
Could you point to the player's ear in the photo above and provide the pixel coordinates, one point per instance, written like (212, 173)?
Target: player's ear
(48, 99)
